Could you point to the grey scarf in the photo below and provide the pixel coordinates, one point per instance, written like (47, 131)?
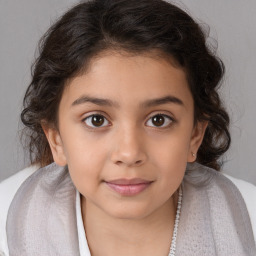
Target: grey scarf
(214, 219)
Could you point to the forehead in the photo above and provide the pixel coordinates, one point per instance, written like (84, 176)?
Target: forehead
(128, 79)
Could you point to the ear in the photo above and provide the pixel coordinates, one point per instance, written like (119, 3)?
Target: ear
(196, 140)
(56, 145)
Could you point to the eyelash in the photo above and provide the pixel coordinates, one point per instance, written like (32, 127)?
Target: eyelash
(171, 120)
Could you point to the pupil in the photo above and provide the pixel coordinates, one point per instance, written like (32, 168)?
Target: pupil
(97, 120)
(158, 120)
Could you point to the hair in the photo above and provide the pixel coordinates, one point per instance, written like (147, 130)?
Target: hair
(136, 27)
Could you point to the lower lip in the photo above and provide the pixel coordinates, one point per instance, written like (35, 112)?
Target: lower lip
(128, 190)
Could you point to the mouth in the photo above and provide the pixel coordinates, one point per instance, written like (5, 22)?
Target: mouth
(128, 187)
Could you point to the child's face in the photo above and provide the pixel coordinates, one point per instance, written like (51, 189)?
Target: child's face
(142, 128)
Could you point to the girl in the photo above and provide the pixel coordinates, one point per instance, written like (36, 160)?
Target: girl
(125, 121)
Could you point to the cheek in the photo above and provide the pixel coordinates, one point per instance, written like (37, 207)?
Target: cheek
(81, 146)
(85, 174)
(86, 159)
(169, 156)
(171, 149)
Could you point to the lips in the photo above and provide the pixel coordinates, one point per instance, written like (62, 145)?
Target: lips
(128, 187)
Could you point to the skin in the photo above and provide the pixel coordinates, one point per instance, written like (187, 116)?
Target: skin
(129, 143)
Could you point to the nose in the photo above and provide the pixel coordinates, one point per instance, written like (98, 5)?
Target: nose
(129, 148)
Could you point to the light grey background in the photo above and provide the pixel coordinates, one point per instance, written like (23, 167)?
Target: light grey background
(231, 22)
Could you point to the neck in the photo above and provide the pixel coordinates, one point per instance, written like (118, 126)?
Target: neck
(150, 235)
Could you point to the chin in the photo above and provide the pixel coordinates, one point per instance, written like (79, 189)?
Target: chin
(129, 212)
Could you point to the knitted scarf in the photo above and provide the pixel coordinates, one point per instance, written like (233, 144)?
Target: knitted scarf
(214, 219)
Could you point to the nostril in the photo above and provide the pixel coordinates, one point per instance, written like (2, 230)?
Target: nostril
(138, 162)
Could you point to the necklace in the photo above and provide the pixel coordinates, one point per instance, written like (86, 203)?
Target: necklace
(176, 223)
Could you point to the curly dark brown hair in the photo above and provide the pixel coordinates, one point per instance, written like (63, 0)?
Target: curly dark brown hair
(136, 27)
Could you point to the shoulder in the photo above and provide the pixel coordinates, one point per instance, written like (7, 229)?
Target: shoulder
(241, 192)
(8, 189)
(248, 192)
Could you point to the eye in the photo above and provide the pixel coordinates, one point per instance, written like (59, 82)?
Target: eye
(160, 120)
(96, 121)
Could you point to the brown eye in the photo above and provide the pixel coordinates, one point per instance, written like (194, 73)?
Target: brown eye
(96, 121)
(160, 121)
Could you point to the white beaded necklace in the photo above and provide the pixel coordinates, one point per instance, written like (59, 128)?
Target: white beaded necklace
(176, 223)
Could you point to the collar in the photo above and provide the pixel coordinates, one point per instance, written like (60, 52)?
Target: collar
(83, 245)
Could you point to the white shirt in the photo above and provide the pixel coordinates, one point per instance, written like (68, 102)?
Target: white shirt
(9, 187)
(83, 245)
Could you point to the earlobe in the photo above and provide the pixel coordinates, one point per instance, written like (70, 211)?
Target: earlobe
(56, 145)
(196, 140)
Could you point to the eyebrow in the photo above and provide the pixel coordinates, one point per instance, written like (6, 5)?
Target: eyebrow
(96, 101)
(161, 101)
(109, 103)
